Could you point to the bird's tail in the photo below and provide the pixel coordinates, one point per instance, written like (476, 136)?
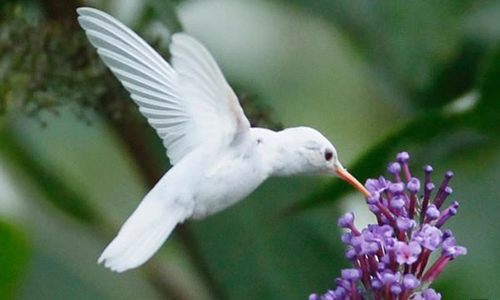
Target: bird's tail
(142, 234)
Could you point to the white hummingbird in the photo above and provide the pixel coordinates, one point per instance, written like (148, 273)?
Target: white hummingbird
(217, 158)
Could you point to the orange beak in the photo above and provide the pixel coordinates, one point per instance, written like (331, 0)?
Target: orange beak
(342, 173)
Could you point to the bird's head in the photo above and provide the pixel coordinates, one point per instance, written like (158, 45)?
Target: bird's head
(314, 154)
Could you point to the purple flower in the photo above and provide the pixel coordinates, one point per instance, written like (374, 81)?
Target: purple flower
(398, 202)
(430, 294)
(356, 242)
(374, 197)
(377, 185)
(346, 238)
(396, 289)
(394, 168)
(428, 169)
(369, 248)
(351, 254)
(432, 212)
(407, 253)
(410, 282)
(329, 296)
(382, 233)
(403, 157)
(365, 243)
(386, 259)
(447, 213)
(413, 185)
(429, 237)
(351, 274)
(451, 249)
(390, 258)
(339, 293)
(314, 297)
(405, 224)
(377, 283)
(347, 220)
(388, 277)
(342, 283)
(374, 209)
(455, 251)
(397, 188)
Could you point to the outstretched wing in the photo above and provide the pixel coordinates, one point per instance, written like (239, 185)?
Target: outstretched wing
(188, 105)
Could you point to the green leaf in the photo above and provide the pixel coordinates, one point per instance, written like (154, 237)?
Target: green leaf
(475, 185)
(13, 258)
(56, 191)
(415, 48)
(165, 12)
(454, 77)
(486, 115)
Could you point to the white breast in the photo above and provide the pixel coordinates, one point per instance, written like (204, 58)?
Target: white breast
(229, 179)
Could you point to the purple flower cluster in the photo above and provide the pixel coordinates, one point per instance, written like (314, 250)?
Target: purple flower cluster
(391, 258)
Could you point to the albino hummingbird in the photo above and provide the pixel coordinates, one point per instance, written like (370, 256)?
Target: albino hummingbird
(217, 158)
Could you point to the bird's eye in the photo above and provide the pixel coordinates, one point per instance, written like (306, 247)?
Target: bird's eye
(328, 155)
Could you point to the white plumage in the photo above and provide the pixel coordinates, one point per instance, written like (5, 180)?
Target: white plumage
(218, 159)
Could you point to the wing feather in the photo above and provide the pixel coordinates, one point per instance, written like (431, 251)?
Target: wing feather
(188, 104)
(195, 65)
(108, 25)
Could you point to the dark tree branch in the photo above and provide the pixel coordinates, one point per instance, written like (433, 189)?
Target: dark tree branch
(63, 11)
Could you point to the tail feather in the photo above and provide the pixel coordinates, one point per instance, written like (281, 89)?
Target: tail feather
(142, 234)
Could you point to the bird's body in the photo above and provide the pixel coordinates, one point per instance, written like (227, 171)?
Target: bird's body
(217, 182)
(217, 158)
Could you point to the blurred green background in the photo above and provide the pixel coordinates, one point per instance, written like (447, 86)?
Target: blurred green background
(376, 77)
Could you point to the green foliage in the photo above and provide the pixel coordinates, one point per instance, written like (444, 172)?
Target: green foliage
(48, 65)
(56, 190)
(415, 52)
(13, 258)
(164, 11)
(259, 114)
(487, 113)
(414, 47)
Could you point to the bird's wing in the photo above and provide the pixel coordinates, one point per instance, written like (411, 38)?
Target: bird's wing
(188, 104)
